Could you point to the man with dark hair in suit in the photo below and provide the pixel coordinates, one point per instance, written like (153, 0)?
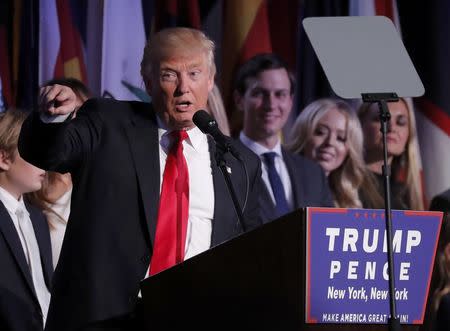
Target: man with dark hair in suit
(25, 252)
(264, 90)
(147, 191)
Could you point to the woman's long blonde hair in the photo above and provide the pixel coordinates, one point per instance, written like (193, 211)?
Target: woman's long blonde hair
(216, 108)
(407, 165)
(347, 179)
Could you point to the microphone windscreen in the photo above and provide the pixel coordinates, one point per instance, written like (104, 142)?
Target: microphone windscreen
(204, 121)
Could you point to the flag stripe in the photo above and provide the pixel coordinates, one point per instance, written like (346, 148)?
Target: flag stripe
(193, 11)
(237, 29)
(70, 62)
(434, 149)
(4, 68)
(284, 21)
(123, 24)
(172, 13)
(385, 8)
(6, 93)
(27, 60)
(435, 114)
(17, 22)
(49, 39)
(239, 17)
(254, 44)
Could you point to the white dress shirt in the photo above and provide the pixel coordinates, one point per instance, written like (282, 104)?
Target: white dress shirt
(201, 187)
(24, 228)
(280, 166)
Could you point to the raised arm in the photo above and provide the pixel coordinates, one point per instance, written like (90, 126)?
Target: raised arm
(51, 139)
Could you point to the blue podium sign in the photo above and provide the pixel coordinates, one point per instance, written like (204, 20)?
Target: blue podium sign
(347, 276)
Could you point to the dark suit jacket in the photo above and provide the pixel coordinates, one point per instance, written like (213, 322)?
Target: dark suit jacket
(441, 202)
(309, 186)
(19, 306)
(111, 149)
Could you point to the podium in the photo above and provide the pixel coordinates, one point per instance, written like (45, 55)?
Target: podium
(253, 282)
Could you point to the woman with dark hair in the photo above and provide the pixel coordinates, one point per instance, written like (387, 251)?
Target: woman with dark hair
(438, 312)
(441, 202)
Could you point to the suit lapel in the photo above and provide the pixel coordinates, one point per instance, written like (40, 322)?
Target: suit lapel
(142, 132)
(297, 188)
(12, 238)
(219, 193)
(266, 205)
(223, 206)
(43, 239)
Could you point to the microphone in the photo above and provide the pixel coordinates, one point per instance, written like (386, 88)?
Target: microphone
(208, 125)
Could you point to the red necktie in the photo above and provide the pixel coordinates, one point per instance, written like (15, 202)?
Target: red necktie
(171, 225)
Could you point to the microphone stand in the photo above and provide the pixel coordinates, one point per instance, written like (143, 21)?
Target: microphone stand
(220, 159)
(382, 99)
(208, 125)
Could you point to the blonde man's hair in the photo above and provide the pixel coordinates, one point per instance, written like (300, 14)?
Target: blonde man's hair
(10, 124)
(179, 40)
(346, 180)
(408, 160)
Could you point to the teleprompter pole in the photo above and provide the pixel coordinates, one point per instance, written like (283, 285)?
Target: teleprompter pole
(382, 99)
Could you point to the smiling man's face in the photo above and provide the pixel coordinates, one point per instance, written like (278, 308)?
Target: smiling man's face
(267, 103)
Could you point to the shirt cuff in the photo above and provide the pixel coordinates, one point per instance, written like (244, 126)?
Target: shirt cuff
(46, 118)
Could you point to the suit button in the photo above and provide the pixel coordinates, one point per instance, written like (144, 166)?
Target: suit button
(145, 259)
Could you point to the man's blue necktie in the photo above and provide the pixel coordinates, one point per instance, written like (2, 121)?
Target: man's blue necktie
(282, 206)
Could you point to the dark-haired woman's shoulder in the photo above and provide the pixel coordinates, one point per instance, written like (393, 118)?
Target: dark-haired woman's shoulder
(443, 314)
(441, 202)
(399, 194)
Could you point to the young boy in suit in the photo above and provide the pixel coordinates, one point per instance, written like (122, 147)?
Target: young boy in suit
(25, 251)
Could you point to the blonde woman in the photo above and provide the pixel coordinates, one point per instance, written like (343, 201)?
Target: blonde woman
(402, 149)
(328, 131)
(216, 108)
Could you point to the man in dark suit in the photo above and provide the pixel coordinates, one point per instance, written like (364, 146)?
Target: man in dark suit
(120, 155)
(25, 251)
(441, 202)
(264, 90)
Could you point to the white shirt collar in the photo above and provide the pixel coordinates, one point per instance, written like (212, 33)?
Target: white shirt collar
(196, 137)
(10, 202)
(257, 148)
